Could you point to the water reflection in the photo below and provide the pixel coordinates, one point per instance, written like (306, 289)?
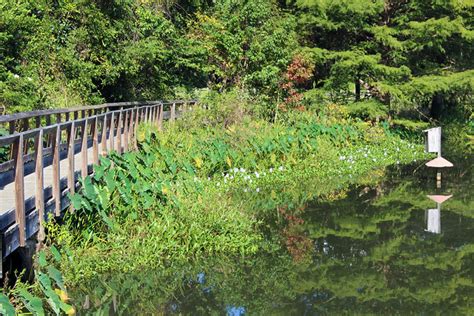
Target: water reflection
(364, 250)
(433, 220)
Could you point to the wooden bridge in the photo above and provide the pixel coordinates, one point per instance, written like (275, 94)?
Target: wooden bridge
(39, 166)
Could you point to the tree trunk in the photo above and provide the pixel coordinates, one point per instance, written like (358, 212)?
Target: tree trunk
(437, 105)
(357, 89)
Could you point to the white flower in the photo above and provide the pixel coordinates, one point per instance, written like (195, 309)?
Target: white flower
(342, 158)
(373, 159)
(245, 190)
(365, 155)
(208, 178)
(280, 168)
(256, 174)
(398, 162)
(16, 76)
(236, 170)
(242, 170)
(218, 184)
(258, 190)
(270, 170)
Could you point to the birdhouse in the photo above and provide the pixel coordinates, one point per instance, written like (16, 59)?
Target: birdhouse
(433, 216)
(433, 140)
(433, 145)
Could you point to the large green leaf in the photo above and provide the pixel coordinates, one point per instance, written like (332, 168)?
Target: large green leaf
(32, 303)
(56, 275)
(6, 308)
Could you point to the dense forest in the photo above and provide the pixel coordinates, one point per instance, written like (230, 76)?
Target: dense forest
(391, 56)
(297, 188)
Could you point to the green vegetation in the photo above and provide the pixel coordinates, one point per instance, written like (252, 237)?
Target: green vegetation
(48, 290)
(406, 55)
(304, 98)
(195, 190)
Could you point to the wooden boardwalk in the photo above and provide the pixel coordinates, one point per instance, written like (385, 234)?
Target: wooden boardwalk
(7, 192)
(48, 160)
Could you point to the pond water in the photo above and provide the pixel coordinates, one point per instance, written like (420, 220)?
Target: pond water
(375, 248)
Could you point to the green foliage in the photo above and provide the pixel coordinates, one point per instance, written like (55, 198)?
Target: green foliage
(401, 53)
(244, 44)
(66, 53)
(179, 198)
(368, 110)
(407, 55)
(48, 287)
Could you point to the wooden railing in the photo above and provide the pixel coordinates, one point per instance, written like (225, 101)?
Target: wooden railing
(64, 134)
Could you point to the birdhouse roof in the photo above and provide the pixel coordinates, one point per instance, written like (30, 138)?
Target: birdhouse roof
(440, 198)
(439, 162)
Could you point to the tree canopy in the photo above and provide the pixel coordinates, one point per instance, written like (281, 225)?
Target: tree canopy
(405, 55)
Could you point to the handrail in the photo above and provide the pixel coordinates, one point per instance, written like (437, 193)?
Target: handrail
(43, 146)
(8, 118)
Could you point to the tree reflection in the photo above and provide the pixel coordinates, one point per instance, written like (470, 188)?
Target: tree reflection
(363, 250)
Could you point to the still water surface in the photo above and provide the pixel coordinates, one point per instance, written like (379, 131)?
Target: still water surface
(369, 249)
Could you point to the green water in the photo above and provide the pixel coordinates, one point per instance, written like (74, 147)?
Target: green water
(370, 249)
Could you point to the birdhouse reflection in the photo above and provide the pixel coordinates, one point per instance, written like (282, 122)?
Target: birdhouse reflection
(433, 216)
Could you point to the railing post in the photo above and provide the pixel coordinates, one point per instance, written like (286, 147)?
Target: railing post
(48, 136)
(56, 140)
(11, 126)
(112, 131)
(104, 136)
(20, 190)
(71, 180)
(160, 117)
(119, 132)
(135, 130)
(39, 193)
(173, 112)
(126, 130)
(157, 114)
(95, 141)
(26, 126)
(84, 171)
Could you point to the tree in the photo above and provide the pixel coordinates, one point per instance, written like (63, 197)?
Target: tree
(384, 47)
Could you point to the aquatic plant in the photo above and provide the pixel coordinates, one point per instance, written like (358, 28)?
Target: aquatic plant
(46, 295)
